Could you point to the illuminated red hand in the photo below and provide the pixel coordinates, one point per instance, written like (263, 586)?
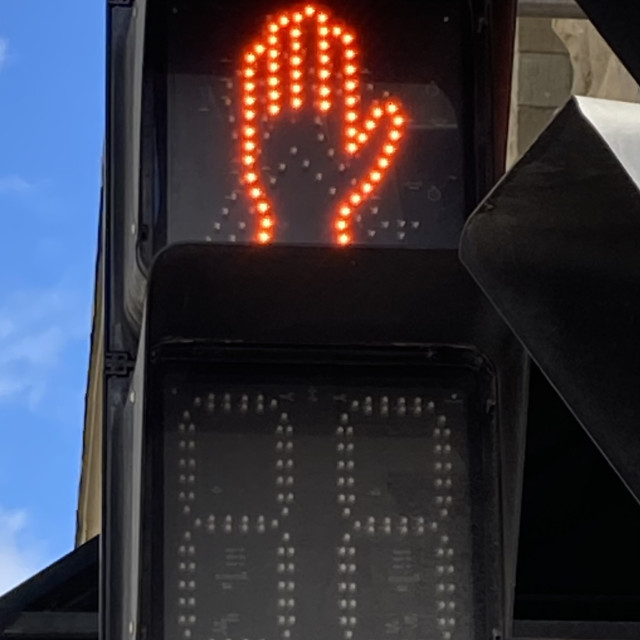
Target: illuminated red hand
(304, 54)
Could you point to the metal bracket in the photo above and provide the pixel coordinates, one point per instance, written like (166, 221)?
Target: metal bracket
(118, 363)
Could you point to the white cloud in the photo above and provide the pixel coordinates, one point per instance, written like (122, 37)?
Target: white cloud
(35, 329)
(4, 46)
(15, 184)
(18, 560)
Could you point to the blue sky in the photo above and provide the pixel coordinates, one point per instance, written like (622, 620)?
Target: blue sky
(51, 133)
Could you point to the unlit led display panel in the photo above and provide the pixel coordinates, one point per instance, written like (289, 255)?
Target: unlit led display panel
(315, 124)
(318, 513)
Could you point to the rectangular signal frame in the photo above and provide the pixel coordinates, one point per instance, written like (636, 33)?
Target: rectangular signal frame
(219, 398)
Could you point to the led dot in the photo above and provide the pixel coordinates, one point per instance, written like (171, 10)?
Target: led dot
(336, 30)
(262, 207)
(309, 10)
(344, 238)
(264, 237)
(362, 138)
(355, 198)
(395, 135)
(392, 107)
(273, 109)
(322, 17)
(325, 105)
(350, 69)
(323, 45)
(296, 61)
(273, 27)
(296, 103)
(347, 38)
(351, 116)
(259, 48)
(352, 147)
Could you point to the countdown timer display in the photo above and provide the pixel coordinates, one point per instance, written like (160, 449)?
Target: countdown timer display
(324, 512)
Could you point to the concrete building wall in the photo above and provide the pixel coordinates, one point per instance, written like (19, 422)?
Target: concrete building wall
(557, 58)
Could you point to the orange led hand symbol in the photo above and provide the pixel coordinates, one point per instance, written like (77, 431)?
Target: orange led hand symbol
(303, 54)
